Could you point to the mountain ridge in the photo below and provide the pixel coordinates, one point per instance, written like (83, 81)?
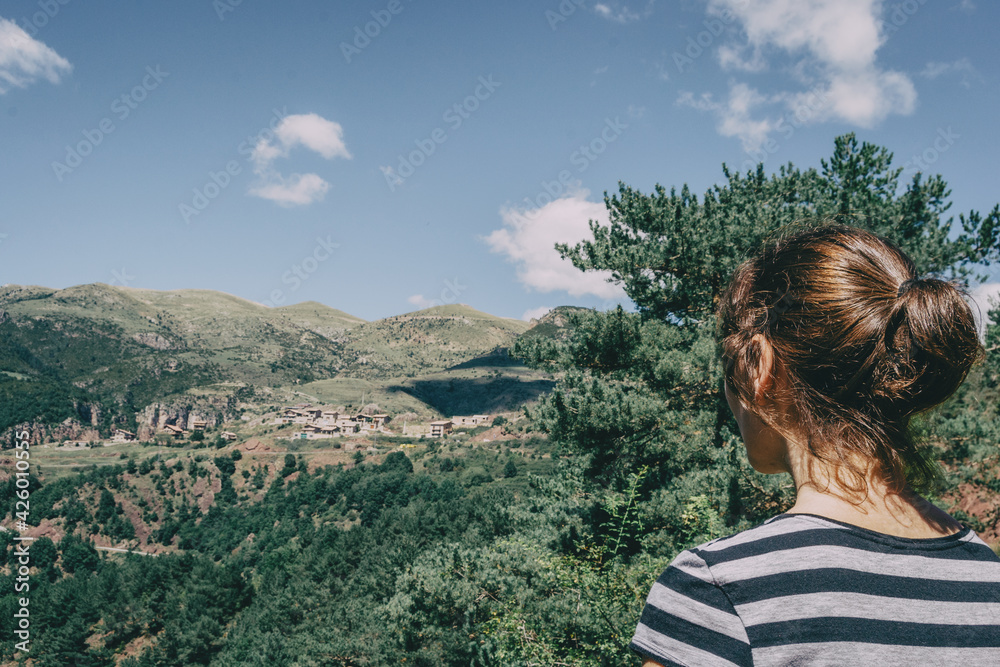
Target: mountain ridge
(107, 353)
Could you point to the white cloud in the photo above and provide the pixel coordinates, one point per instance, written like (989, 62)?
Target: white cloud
(311, 131)
(528, 239)
(23, 60)
(296, 190)
(961, 67)
(841, 33)
(866, 97)
(734, 57)
(985, 297)
(620, 13)
(535, 313)
(935, 69)
(635, 111)
(315, 133)
(420, 301)
(832, 47)
(735, 114)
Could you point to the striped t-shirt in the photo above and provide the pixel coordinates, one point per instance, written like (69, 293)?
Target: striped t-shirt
(805, 590)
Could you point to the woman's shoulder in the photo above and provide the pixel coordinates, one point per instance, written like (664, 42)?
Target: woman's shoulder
(815, 538)
(778, 532)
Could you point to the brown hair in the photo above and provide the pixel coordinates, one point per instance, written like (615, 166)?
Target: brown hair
(865, 344)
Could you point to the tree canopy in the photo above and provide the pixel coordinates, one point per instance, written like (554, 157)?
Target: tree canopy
(645, 388)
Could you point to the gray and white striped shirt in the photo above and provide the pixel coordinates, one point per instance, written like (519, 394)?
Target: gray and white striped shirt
(806, 590)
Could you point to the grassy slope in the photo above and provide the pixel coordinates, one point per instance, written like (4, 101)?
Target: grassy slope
(129, 347)
(427, 341)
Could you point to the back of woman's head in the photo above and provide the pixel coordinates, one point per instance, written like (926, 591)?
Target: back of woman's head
(864, 342)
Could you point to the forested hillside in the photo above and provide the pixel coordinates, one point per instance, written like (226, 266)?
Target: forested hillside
(100, 355)
(537, 550)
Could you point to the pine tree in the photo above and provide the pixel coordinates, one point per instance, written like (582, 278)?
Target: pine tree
(645, 389)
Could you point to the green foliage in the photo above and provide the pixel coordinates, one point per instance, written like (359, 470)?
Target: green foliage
(397, 461)
(42, 400)
(226, 465)
(645, 389)
(78, 555)
(701, 521)
(43, 553)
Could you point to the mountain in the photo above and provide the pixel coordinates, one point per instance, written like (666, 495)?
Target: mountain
(427, 340)
(108, 338)
(319, 318)
(107, 355)
(110, 352)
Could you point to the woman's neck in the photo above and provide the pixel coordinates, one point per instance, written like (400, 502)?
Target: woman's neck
(819, 491)
(903, 515)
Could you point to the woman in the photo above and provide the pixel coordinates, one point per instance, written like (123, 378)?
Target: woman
(831, 343)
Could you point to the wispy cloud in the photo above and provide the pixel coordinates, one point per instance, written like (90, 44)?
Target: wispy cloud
(528, 239)
(315, 133)
(24, 60)
(621, 13)
(635, 111)
(735, 114)
(961, 68)
(984, 298)
(295, 190)
(420, 301)
(828, 46)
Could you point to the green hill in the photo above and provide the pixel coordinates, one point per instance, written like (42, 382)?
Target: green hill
(125, 348)
(102, 354)
(319, 318)
(427, 340)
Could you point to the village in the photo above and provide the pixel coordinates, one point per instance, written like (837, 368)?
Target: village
(318, 422)
(315, 422)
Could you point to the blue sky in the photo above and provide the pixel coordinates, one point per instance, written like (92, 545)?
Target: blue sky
(277, 152)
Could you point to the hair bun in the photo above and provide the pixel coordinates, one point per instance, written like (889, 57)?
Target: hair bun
(931, 344)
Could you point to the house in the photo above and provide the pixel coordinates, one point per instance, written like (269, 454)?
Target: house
(440, 428)
(371, 422)
(228, 436)
(346, 424)
(314, 431)
(121, 435)
(286, 416)
(198, 424)
(470, 421)
(175, 431)
(298, 415)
